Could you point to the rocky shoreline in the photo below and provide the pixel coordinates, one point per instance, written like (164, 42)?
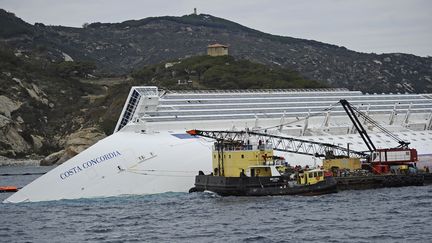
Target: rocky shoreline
(4, 161)
(74, 144)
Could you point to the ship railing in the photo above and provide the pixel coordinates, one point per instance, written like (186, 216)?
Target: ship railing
(240, 147)
(258, 91)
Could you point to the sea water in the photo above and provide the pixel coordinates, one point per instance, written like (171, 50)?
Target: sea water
(380, 215)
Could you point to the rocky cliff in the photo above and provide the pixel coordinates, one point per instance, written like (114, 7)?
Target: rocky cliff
(41, 107)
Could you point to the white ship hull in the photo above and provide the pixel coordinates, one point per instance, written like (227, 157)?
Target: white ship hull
(136, 168)
(147, 156)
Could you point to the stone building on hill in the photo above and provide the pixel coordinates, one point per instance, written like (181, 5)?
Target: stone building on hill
(217, 50)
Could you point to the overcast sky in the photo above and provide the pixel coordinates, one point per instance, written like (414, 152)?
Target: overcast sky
(379, 26)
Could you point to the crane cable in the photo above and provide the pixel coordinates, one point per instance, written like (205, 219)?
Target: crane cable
(359, 112)
(379, 126)
(302, 119)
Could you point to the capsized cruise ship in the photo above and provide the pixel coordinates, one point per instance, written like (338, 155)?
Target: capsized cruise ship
(150, 151)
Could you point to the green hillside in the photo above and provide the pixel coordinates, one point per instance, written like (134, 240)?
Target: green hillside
(11, 26)
(223, 72)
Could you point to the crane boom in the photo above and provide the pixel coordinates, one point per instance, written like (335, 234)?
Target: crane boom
(281, 143)
(399, 155)
(360, 129)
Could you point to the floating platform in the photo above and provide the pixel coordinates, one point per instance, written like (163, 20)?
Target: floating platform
(379, 181)
(260, 186)
(427, 178)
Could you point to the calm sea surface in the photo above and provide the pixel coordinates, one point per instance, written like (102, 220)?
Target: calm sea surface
(381, 215)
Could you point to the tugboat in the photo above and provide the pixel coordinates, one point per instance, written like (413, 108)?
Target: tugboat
(244, 169)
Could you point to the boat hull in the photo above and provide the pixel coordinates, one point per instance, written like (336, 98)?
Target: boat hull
(260, 186)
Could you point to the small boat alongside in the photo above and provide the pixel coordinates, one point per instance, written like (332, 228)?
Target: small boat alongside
(244, 169)
(8, 189)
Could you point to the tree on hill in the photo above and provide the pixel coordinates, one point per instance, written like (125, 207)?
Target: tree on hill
(223, 72)
(74, 69)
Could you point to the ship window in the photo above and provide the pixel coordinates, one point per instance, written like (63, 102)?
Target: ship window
(214, 156)
(320, 173)
(229, 156)
(242, 156)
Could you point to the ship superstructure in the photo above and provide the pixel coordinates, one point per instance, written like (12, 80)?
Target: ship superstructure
(150, 151)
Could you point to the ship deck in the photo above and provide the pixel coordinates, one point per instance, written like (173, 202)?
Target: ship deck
(210, 105)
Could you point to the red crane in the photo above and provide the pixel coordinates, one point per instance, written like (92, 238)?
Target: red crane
(386, 156)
